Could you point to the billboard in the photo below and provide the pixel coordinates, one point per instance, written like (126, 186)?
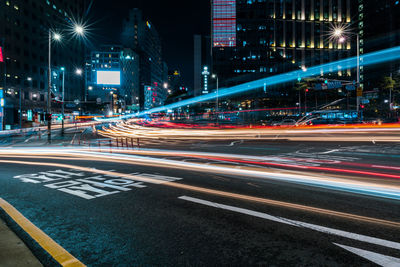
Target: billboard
(108, 77)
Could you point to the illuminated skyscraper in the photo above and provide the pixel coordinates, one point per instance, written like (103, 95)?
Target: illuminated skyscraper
(141, 36)
(379, 28)
(272, 36)
(224, 23)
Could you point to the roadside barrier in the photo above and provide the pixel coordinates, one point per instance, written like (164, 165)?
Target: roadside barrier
(108, 144)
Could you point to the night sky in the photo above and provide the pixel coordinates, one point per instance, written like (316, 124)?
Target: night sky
(176, 22)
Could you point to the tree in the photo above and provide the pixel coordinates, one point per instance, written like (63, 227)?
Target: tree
(388, 84)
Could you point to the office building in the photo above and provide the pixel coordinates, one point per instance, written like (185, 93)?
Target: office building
(24, 31)
(253, 39)
(114, 73)
(378, 28)
(140, 35)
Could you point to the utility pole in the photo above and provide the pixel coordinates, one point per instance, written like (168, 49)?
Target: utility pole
(20, 108)
(358, 73)
(63, 101)
(217, 107)
(2, 122)
(49, 93)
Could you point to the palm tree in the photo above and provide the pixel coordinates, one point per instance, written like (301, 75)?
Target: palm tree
(388, 84)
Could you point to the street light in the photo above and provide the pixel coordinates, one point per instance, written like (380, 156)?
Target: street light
(56, 37)
(62, 104)
(341, 34)
(78, 72)
(215, 76)
(79, 30)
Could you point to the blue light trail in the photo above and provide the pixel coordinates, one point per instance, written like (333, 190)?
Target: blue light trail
(349, 63)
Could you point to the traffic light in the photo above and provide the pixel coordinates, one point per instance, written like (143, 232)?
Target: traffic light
(307, 90)
(1, 54)
(362, 106)
(48, 117)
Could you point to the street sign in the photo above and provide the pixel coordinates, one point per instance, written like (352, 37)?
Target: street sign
(328, 85)
(98, 100)
(365, 101)
(359, 91)
(70, 105)
(350, 87)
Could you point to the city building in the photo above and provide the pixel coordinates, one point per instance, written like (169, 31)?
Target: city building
(113, 73)
(378, 28)
(253, 39)
(175, 82)
(24, 35)
(202, 58)
(140, 35)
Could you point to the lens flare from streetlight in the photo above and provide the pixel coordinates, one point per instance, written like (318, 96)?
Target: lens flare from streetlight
(339, 32)
(80, 30)
(57, 36)
(78, 72)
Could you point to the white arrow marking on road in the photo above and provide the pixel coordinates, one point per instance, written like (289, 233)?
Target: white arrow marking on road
(322, 229)
(377, 258)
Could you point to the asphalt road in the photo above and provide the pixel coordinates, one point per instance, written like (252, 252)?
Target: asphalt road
(170, 216)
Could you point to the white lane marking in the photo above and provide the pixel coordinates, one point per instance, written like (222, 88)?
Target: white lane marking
(322, 229)
(377, 258)
(239, 210)
(236, 142)
(330, 151)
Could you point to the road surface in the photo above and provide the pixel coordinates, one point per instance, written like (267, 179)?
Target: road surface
(213, 203)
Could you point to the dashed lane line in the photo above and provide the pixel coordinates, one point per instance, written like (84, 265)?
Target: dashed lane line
(377, 258)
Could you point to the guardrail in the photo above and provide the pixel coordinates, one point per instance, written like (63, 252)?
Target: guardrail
(109, 144)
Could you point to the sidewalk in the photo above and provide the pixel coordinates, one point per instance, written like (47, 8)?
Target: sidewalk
(13, 252)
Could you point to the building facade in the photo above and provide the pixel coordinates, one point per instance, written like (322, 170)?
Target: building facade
(259, 38)
(111, 61)
(140, 35)
(24, 31)
(378, 28)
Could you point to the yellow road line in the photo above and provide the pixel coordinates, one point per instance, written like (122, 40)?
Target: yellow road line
(62, 256)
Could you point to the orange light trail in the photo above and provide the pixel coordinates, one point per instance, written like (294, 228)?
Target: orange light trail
(303, 208)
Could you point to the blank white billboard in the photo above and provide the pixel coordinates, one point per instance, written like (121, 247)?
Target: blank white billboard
(109, 77)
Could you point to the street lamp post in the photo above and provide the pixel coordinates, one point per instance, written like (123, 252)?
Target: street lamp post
(63, 101)
(20, 108)
(217, 99)
(79, 30)
(48, 118)
(340, 34)
(358, 73)
(79, 72)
